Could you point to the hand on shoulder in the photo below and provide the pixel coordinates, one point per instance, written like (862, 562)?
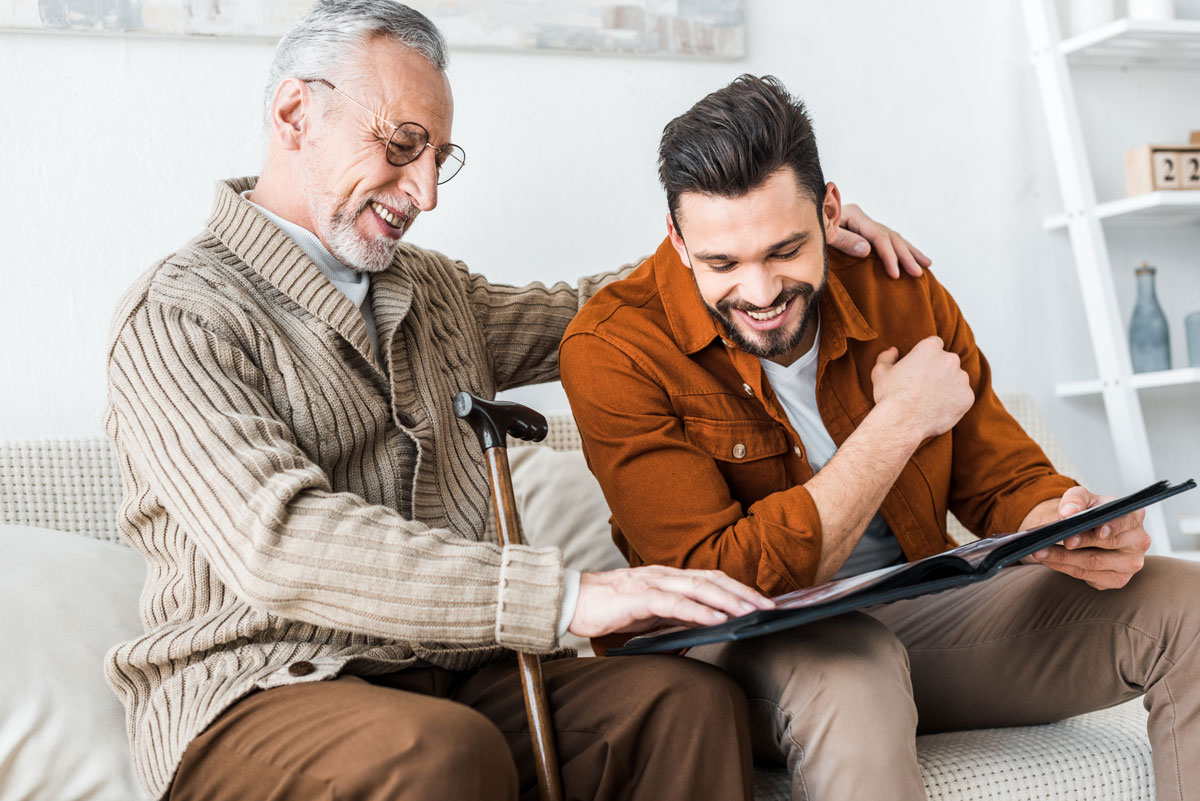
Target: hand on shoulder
(858, 234)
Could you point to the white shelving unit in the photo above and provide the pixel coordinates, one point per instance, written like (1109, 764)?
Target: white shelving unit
(1163, 378)
(1137, 43)
(1164, 208)
(1173, 44)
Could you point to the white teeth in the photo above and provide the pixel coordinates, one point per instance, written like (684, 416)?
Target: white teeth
(769, 314)
(382, 211)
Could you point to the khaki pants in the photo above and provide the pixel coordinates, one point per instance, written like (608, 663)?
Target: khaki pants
(840, 701)
(658, 727)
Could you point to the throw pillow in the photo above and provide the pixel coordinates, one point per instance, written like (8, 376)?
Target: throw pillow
(561, 504)
(66, 599)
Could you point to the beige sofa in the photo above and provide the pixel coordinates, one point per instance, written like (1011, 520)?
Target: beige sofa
(71, 590)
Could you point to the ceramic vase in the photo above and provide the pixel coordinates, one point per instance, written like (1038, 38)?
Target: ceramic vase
(1149, 339)
(1191, 327)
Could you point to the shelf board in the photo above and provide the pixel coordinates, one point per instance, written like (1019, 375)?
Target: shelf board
(1128, 42)
(1170, 207)
(1161, 378)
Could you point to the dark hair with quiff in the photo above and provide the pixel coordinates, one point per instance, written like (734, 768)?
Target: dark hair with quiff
(735, 138)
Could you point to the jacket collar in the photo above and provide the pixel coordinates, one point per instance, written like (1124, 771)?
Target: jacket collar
(840, 318)
(276, 257)
(691, 324)
(694, 328)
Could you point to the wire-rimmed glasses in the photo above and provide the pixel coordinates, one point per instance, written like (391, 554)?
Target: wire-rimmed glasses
(409, 140)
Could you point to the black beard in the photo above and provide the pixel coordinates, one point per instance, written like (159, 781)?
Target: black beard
(771, 343)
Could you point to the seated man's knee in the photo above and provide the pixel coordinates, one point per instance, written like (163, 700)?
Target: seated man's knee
(1162, 598)
(668, 696)
(861, 639)
(682, 724)
(683, 689)
(846, 661)
(456, 754)
(854, 659)
(849, 645)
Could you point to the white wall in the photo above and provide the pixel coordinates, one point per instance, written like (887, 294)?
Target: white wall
(928, 117)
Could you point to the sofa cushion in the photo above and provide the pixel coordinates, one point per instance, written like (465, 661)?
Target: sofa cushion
(67, 600)
(561, 505)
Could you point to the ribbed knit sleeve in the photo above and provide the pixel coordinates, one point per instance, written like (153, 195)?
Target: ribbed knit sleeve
(191, 412)
(523, 325)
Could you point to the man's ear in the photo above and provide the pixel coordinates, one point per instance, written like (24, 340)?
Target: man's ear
(677, 241)
(831, 211)
(290, 113)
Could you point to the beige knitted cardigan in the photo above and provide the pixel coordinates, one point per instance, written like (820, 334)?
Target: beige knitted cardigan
(296, 500)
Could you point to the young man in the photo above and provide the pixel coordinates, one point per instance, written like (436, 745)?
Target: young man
(323, 614)
(755, 403)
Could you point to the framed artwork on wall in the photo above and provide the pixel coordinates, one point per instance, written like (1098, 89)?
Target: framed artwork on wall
(251, 18)
(673, 28)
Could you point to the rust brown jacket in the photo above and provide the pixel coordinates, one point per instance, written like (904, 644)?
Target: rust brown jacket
(699, 463)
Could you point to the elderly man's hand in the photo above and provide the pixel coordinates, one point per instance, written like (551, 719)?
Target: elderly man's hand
(859, 233)
(643, 598)
(1106, 557)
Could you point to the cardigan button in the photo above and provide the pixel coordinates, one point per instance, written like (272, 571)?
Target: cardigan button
(405, 419)
(739, 451)
(302, 668)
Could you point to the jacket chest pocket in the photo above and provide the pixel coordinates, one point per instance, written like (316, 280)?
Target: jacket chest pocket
(749, 454)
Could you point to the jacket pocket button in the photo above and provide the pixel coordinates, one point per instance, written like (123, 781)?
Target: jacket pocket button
(739, 451)
(302, 668)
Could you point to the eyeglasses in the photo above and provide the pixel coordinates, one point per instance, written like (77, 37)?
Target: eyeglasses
(409, 140)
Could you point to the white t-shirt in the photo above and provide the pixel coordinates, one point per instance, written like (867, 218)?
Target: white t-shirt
(796, 388)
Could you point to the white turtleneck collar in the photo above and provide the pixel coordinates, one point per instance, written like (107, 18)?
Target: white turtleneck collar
(353, 284)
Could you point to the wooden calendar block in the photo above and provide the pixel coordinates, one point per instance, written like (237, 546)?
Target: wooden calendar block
(1191, 168)
(1195, 140)
(1149, 168)
(1167, 172)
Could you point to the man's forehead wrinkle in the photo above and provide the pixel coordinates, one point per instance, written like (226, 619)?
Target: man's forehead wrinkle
(390, 82)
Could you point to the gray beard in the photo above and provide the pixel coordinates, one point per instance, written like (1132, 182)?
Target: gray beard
(336, 227)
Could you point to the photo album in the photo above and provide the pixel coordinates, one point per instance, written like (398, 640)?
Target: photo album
(975, 561)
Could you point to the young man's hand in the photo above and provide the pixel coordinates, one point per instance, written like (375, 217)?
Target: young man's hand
(643, 598)
(926, 391)
(1105, 557)
(858, 233)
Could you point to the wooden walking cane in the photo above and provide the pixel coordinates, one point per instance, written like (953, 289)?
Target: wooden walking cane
(493, 421)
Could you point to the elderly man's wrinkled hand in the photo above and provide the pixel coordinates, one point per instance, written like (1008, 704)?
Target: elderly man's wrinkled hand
(859, 233)
(644, 598)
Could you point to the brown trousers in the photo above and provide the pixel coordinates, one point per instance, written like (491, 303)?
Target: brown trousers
(657, 727)
(841, 701)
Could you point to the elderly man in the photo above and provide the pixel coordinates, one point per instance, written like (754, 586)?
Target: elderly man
(324, 618)
(753, 403)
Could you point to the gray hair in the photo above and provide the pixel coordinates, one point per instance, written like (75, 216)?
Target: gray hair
(332, 33)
